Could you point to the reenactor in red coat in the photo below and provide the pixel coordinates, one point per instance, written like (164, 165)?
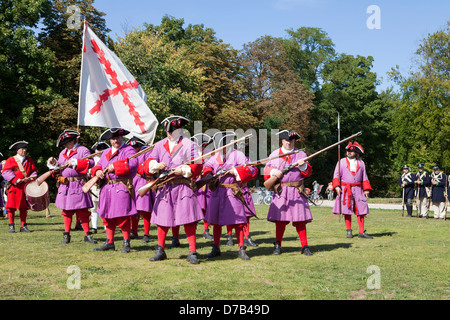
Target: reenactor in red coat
(18, 171)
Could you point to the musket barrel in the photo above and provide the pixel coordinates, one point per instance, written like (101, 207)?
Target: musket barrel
(269, 184)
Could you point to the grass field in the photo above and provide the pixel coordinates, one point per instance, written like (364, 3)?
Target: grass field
(410, 257)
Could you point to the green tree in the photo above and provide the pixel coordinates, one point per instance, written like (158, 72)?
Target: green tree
(349, 88)
(26, 72)
(224, 95)
(275, 92)
(308, 50)
(171, 81)
(421, 123)
(66, 44)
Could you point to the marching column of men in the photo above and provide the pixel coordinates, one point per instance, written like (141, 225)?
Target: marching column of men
(174, 166)
(430, 191)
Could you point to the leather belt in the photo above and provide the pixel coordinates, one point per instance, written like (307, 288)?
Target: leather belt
(127, 182)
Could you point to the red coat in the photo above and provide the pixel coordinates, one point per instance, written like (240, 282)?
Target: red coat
(16, 193)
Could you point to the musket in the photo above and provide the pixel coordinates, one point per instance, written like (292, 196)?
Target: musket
(339, 166)
(403, 201)
(211, 179)
(446, 198)
(270, 183)
(168, 175)
(44, 176)
(417, 199)
(88, 185)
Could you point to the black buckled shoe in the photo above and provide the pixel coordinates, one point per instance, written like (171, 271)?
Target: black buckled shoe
(175, 243)
(364, 235)
(106, 246)
(133, 235)
(242, 254)
(249, 241)
(146, 238)
(230, 240)
(215, 252)
(11, 228)
(277, 247)
(66, 238)
(88, 238)
(126, 246)
(306, 251)
(160, 254)
(349, 233)
(25, 229)
(207, 235)
(192, 258)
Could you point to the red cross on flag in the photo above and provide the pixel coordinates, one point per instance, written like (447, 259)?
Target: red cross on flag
(109, 95)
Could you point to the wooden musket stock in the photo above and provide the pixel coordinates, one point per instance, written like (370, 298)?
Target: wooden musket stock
(270, 183)
(44, 176)
(88, 185)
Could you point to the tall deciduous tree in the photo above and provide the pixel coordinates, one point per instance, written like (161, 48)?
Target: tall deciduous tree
(170, 80)
(26, 71)
(224, 95)
(422, 116)
(277, 96)
(62, 33)
(308, 50)
(349, 88)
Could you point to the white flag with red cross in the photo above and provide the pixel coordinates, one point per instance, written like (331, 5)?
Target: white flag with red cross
(109, 95)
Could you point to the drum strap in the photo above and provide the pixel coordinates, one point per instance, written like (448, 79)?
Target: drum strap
(21, 168)
(19, 164)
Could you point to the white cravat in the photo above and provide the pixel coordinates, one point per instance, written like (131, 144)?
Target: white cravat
(352, 164)
(172, 144)
(74, 147)
(113, 150)
(21, 158)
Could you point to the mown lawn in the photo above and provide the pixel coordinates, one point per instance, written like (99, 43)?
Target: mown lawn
(410, 257)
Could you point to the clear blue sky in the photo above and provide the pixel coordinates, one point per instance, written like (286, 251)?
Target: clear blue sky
(403, 23)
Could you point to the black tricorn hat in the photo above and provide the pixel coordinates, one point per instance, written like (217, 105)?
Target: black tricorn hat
(112, 133)
(66, 136)
(174, 122)
(100, 145)
(355, 146)
(436, 167)
(288, 135)
(221, 137)
(201, 139)
(18, 145)
(135, 142)
(420, 165)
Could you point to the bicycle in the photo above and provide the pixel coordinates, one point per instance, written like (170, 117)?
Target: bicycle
(268, 198)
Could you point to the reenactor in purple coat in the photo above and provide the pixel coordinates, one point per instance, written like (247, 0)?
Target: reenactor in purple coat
(1, 181)
(231, 202)
(70, 197)
(116, 202)
(95, 191)
(290, 205)
(176, 201)
(144, 205)
(352, 187)
(203, 194)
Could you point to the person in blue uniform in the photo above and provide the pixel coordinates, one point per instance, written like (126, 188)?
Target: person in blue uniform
(439, 192)
(406, 181)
